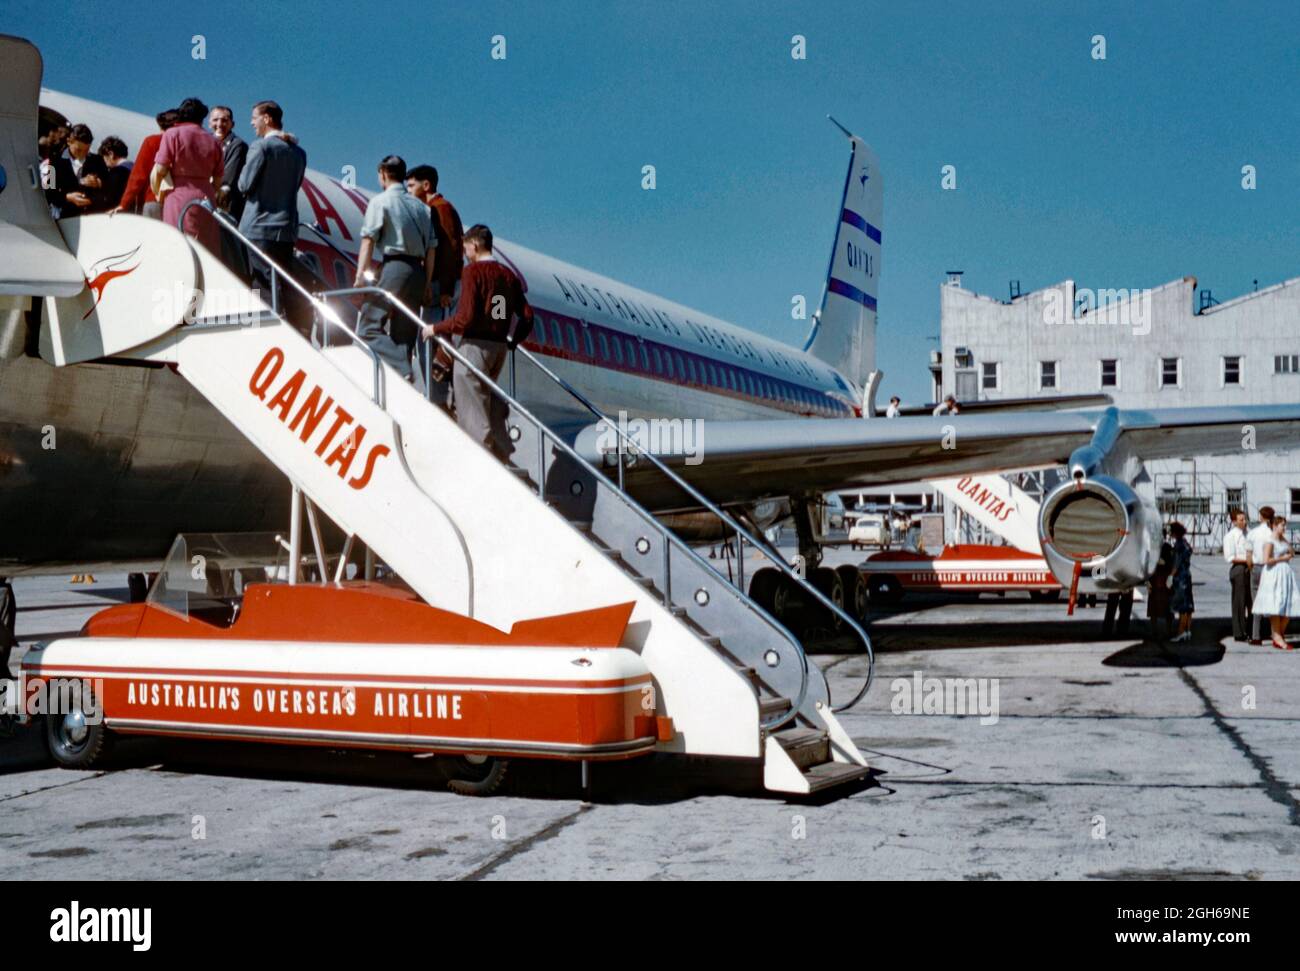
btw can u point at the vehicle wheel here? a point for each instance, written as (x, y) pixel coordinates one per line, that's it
(788, 604)
(1044, 596)
(855, 591)
(828, 583)
(885, 589)
(74, 742)
(137, 588)
(762, 589)
(474, 775)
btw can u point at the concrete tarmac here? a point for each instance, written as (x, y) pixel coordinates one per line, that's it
(1114, 759)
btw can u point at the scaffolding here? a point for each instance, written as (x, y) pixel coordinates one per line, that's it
(1200, 501)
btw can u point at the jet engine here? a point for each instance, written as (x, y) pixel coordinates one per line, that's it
(1101, 531)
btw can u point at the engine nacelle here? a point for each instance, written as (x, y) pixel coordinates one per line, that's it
(1102, 528)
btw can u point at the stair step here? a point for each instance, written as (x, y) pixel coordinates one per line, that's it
(713, 641)
(772, 706)
(834, 774)
(806, 747)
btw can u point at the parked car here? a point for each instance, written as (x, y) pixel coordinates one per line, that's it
(871, 529)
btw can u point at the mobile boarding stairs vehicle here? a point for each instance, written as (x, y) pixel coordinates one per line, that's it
(600, 635)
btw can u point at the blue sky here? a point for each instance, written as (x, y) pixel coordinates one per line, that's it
(1117, 173)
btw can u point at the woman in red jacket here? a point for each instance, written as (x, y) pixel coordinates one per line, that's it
(138, 197)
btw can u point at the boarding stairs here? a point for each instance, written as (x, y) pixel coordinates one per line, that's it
(546, 533)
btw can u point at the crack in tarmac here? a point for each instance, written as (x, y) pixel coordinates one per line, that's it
(524, 845)
(1273, 787)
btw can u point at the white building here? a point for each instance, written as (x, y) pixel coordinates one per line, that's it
(1158, 348)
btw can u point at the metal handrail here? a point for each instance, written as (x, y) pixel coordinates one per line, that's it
(324, 311)
(545, 432)
(739, 530)
(690, 490)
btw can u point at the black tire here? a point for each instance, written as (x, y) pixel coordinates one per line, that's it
(137, 588)
(885, 589)
(762, 589)
(467, 776)
(856, 597)
(828, 584)
(76, 744)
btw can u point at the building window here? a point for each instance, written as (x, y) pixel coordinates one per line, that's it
(1236, 498)
(1231, 371)
(1171, 372)
(963, 358)
(1110, 373)
(1046, 375)
(1286, 364)
(991, 378)
(1295, 504)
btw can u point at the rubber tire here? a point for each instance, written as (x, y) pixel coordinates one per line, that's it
(90, 753)
(829, 584)
(885, 589)
(856, 599)
(789, 606)
(762, 588)
(137, 588)
(484, 783)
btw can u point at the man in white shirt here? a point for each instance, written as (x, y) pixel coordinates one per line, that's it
(1257, 537)
(895, 405)
(1236, 551)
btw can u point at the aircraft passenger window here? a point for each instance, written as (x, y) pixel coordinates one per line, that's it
(590, 344)
(573, 339)
(604, 347)
(713, 375)
(557, 336)
(645, 357)
(659, 364)
(681, 365)
(690, 370)
(617, 348)
(668, 365)
(538, 336)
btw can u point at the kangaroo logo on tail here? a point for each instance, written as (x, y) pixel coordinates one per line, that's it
(106, 269)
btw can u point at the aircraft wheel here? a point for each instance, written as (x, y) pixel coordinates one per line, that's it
(74, 742)
(829, 584)
(474, 775)
(136, 587)
(788, 604)
(855, 591)
(885, 589)
(762, 589)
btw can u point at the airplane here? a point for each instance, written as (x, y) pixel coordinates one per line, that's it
(103, 463)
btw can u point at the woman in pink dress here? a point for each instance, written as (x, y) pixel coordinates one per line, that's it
(193, 159)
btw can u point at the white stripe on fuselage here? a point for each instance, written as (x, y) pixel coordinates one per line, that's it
(625, 348)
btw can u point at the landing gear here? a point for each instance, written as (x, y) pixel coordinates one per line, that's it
(474, 775)
(774, 592)
(78, 738)
(830, 586)
(856, 597)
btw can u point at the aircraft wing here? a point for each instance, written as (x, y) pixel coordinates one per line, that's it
(740, 461)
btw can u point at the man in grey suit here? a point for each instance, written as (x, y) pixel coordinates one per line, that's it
(272, 174)
(234, 150)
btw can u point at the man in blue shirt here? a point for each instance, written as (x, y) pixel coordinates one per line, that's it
(399, 231)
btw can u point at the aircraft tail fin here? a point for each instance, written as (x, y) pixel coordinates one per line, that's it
(844, 330)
